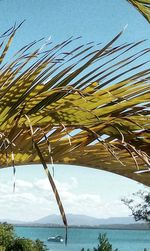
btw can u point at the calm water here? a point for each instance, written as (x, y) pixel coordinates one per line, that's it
(124, 240)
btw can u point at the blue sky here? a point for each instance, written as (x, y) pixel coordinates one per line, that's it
(83, 190)
(98, 21)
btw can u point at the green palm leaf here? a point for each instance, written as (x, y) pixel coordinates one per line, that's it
(88, 106)
(143, 6)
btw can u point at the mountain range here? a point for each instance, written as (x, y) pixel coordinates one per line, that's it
(80, 220)
(76, 220)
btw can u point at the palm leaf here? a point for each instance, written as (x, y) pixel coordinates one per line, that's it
(88, 106)
(143, 6)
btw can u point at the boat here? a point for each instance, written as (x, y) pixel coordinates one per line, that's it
(57, 238)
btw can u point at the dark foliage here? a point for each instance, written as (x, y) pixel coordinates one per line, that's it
(10, 242)
(139, 205)
(103, 245)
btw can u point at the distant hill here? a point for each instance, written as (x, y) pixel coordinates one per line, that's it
(75, 220)
(13, 222)
(80, 220)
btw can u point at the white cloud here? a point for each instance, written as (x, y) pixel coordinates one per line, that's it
(33, 200)
(23, 184)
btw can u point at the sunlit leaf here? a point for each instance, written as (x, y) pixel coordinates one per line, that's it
(87, 106)
(143, 6)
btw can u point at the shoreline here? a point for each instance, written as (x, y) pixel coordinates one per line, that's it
(110, 227)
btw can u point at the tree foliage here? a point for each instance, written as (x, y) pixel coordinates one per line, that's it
(10, 242)
(104, 244)
(7, 235)
(139, 205)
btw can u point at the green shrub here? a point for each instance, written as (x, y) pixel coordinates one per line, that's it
(10, 242)
(103, 245)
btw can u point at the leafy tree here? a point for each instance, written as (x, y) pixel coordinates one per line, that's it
(10, 242)
(103, 245)
(21, 244)
(7, 235)
(139, 205)
(39, 246)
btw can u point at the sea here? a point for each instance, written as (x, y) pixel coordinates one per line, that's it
(78, 238)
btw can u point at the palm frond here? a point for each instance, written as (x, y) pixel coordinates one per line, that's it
(143, 6)
(87, 106)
